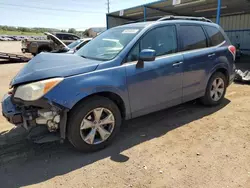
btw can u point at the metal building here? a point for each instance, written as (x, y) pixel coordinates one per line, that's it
(232, 15)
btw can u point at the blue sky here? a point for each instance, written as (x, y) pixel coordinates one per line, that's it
(79, 14)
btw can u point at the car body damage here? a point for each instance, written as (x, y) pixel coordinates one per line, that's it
(47, 109)
(78, 78)
(31, 114)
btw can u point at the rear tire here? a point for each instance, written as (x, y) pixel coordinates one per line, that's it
(83, 122)
(216, 90)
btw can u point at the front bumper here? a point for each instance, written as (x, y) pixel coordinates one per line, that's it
(30, 114)
(11, 111)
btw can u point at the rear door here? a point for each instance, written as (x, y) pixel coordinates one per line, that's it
(197, 57)
(221, 45)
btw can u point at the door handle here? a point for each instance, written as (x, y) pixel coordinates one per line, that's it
(177, 64)
(211, 55)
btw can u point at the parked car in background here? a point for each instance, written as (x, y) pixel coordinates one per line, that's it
(71, 48)
(36, 46)
(125, 72)
(74, 46)
(18, 38)
(2, 38)
(13, 37)
(6, 38)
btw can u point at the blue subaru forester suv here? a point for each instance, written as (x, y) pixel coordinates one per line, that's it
(126, 72)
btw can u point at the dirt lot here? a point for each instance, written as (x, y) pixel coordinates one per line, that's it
(186, 146)
(10, 47)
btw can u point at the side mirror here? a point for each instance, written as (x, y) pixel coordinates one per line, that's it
(147, 55)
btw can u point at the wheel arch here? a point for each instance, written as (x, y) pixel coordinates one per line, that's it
(225, 72)
(221, 69)
(117, 99)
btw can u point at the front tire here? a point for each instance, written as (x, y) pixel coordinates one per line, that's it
(93, 124)
(216, 90)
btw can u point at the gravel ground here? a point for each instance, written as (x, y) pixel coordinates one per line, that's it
(186, 146)
(10, 47)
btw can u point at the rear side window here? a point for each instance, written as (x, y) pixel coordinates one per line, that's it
(215, 35)
(193, 37)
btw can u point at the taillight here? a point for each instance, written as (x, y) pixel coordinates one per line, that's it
(10, 92)
(232, 49)
(27, 43)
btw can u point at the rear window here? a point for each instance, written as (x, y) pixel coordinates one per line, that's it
(193, 37)
(215, 35)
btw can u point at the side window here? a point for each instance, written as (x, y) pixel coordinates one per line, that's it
(193, 37)
(67, 37)
(60, 36)
(162, 40)
(215, 35)
(70, 37)
(75, 37)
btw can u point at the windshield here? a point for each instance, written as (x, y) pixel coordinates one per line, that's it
(109, 44)
(74, 44)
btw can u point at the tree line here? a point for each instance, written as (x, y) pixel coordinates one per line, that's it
(27, 29)
(41, 30)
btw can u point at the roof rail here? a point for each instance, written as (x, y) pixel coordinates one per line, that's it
(171, 17)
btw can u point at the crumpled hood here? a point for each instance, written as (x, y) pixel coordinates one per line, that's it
(49, 65)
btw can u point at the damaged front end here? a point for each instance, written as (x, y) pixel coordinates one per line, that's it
(42, 91)
(35, 109)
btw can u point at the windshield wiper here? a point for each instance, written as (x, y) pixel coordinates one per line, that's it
(83, 56)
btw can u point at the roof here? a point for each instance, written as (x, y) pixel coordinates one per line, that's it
(137, 24)
(205, 8)
(145, 24)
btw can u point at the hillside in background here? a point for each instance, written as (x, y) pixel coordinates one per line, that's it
(10, 30)
(4, 32)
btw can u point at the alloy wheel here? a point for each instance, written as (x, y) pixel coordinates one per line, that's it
(97, 126)
(217, 89)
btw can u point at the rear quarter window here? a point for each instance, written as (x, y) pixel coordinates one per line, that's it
(193, 37)
(215, 36)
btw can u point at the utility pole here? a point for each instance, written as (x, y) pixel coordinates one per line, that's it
(218, 12)
(108, 3)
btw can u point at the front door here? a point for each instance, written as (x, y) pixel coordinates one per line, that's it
(158, 84)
